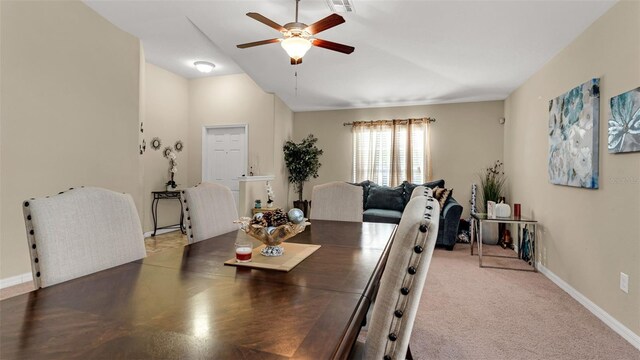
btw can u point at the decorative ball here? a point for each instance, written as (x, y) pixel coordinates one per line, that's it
(271, 229)
(296, 216)
(257, 216)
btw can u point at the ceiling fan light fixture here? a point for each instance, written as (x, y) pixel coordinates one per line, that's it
(296, 46)
(204, 66)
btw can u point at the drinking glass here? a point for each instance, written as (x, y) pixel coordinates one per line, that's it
(244, 248)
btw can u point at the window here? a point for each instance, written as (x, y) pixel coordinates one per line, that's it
(389, 152)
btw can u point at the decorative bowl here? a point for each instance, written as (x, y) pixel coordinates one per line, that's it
(272, 237)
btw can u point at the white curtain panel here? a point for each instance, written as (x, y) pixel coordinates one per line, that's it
(389, 152)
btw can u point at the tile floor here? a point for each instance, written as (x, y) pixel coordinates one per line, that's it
(153, 245)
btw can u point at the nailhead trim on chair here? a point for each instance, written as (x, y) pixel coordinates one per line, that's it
(35, 266)
(31, 238)
(412, 266)
(188, 218)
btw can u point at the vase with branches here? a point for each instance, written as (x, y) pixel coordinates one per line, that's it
(303, 161)
(492, 181)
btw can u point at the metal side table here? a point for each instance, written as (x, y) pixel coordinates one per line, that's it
(162, 195)
(523, 223)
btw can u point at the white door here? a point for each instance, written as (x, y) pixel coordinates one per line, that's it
(224, 155)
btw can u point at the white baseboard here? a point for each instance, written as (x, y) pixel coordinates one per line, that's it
(615, 325)
(16, 280)
(160, 232)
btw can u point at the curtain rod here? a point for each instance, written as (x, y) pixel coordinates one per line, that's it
(431, 120)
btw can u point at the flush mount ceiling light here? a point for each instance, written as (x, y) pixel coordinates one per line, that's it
(204, 66)
(297, 38)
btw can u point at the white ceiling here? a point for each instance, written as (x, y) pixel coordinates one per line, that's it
(406, 52)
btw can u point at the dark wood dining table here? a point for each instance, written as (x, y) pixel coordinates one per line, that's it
(184, 303)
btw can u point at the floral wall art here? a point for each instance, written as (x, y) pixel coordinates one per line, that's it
(624, 122)
(573, 136)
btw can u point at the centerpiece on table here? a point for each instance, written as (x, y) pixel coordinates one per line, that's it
(273, 228)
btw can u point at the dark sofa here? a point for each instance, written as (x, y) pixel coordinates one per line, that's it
(385, 204)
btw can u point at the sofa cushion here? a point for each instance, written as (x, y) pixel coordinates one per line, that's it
(442, 195)
(384, 197)
(382, 216)
(409, 187)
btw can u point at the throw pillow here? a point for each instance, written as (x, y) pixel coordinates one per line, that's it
(409, 187)
(442, 195)
(384, 197)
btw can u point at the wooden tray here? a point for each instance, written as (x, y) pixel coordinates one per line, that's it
(293, 255)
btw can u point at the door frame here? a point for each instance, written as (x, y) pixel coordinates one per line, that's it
(204, 143)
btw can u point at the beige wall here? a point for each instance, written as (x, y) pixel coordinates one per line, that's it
(588, 236)
(465, 138)
(236, 99)
(167, 116)
(283, 131)
(231, 100)
(69, 111)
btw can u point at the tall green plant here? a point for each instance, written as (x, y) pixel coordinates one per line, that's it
(492, 181)
(302, 161)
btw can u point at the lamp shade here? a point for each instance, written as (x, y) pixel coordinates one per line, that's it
(204, 66)
(296, 47)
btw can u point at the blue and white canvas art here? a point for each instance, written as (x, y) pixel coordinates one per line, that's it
(574, 119)
(624, 122)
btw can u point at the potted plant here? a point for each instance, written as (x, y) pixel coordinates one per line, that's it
(492, 181)
(303, 161)
(270, 195)
(173, 168)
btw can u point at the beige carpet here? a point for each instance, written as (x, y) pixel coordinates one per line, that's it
(471, 313)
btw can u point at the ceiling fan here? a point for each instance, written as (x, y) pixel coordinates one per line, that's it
(298, 37)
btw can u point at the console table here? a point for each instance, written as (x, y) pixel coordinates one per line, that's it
(162, 195)
(476, 235)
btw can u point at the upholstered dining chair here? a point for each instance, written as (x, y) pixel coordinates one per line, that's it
(210, 210)
(339, 201)
(420, 191)
(79, 232)
(402, 282)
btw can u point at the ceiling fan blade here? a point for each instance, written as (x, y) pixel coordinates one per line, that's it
(324, 24)
(256, 43)
(333, 46)
(296, 62)
(266, 21)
